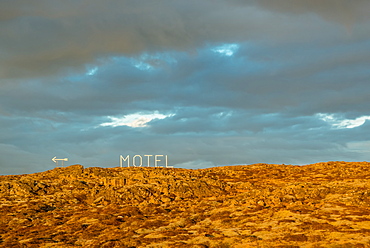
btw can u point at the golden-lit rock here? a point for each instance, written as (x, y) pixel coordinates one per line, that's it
(261, 205)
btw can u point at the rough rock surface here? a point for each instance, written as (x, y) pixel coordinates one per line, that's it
(261, 205)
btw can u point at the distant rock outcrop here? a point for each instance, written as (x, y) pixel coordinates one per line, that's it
(261, 205)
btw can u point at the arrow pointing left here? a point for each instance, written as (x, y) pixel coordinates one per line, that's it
(55, 160)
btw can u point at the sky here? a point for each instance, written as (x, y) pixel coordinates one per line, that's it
(205, 82)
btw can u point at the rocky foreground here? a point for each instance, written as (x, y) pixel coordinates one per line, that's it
(262, 205)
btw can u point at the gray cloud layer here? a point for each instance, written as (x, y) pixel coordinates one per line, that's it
(291, 60)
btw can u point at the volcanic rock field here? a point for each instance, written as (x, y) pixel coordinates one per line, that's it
(260, 205)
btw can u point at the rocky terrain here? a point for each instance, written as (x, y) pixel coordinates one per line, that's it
(261, 205)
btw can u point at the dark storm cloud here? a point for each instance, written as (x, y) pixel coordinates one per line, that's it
(50, 36)
(240, 81)
(342, 11)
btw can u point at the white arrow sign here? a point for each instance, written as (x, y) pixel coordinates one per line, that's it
(55, 160)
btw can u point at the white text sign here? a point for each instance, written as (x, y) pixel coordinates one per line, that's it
(145, 160)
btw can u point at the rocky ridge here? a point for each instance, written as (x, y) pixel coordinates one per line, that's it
(261, 205)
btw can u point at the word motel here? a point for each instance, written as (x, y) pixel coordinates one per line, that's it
(146, 160)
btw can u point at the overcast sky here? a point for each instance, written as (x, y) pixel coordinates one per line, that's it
(206, 82)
